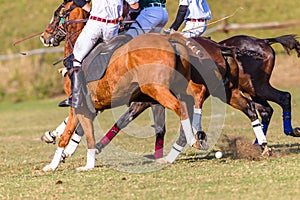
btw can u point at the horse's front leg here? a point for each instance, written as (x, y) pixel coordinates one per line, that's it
(86, 119)
(247, 106)
(199, 92)
(265, 111)
(181, 141)
(63, 142)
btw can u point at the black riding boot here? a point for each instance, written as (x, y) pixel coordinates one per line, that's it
(77, 84)
(77, 81)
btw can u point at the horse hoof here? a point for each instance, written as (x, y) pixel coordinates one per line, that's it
(162, 161)
(49, 137)
(267, 152)
(48, 168)
(296, 132)
(201, 145)
(98, 147)
(201, 135)
(158, 154)
(84, 169)
(201, 142)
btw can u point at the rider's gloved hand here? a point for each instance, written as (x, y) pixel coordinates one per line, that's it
(169, 31)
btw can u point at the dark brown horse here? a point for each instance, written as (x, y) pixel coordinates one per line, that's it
(259, 71)
(212, 50)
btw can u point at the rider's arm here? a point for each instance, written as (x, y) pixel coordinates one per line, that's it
(83, 4)
(134, 10)
(179, 17)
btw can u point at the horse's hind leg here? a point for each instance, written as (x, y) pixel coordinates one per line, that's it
(284, 100)
(160, 129)
(86, 118)
(247, 106)
(134, 110)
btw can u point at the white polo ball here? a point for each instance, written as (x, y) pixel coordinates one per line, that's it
(218, 154)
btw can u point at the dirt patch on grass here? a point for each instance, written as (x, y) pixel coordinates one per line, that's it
(241, 148)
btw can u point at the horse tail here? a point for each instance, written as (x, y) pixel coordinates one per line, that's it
(289, 42)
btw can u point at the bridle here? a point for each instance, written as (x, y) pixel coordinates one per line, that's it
(58, 28)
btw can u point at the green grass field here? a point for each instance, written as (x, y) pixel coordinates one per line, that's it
(34, 77)
(121, 171)
(191, 177)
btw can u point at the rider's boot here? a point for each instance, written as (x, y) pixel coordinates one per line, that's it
(77, 84)
(77, 81)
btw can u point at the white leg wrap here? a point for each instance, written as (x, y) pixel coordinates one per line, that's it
(187, 128)
(257, 128)
(198, 110)
(73, 144)
(90, 160)
(196, 124)
(60, 129)
(56, 159)
(174, 153)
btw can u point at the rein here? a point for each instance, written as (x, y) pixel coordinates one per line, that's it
(62, 27)
(75, 21)
(71, 22)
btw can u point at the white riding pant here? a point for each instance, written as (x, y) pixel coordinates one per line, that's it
(90, 34)
(194, 29)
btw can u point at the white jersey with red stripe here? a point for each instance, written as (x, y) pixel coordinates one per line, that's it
(109, 9)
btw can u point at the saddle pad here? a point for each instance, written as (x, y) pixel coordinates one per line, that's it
(95, 64)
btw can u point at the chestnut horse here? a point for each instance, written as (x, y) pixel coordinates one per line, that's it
(250, 68)
(254, 79)
(152, 76)
(233, 94)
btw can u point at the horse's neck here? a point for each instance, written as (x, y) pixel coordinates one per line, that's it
(74, 29)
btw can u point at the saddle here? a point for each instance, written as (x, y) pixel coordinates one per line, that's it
(95, 64)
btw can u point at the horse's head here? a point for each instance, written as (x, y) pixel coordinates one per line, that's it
(61, 22)
(54, 32)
